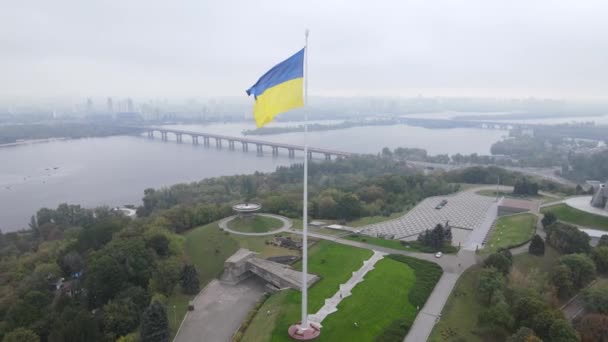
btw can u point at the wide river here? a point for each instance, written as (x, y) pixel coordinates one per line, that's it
(115, 171)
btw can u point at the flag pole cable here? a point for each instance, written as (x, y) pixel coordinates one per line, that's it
(304, 325)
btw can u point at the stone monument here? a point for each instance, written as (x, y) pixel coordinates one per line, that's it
(600, 199)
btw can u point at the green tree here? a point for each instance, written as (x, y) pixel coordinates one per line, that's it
(22, 314)
(105, 277)
(562, 331)
(160, 244)
(561, 278)
(348, 207)
(582, 268)
(75, 325)
(527, 305)
(603, 241)
(542, 321)
(593, 328)
(248, 188)
(165, 276)
(600, 258)
(21, 335)
(138, 295)
(524, 334)
(498, 261)
(189, 279)
(537, 245)
(595, 299)
(567, 239)
(497, 317)
(548, 219)
(119, 318)
(491, 281)
(71, 263)
(154, 324)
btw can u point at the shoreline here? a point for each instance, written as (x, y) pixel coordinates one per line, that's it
(32, 141)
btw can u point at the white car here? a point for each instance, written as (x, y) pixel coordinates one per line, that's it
(438, 255)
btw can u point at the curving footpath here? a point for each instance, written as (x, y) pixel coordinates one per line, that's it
(287, 224)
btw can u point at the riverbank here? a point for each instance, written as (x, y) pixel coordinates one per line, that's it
(32, 141)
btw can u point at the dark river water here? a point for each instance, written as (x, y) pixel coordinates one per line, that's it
(115, 171)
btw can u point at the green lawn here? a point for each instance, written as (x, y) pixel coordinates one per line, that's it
(256, 224)
(208, 247)
(459, 315)
(527, 263)
(410, 246)
(374, 304)
(510, 231)
(334, 263)
(566, 213)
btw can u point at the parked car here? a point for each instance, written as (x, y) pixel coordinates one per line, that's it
(441, 204)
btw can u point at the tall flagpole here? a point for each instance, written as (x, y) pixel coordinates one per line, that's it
(304, 324)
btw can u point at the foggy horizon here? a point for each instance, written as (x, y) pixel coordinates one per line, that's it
(142, 49)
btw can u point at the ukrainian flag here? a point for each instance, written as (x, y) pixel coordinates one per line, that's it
(279, 90)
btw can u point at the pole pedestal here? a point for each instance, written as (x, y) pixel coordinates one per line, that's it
(297, 333)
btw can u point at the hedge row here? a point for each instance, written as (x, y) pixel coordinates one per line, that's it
(427, 275)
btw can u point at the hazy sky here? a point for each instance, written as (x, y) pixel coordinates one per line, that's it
(515, 48)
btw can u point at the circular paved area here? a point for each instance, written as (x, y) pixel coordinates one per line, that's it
(285, 227)
(584, 203)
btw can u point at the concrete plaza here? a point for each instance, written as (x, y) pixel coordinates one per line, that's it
(465, 210)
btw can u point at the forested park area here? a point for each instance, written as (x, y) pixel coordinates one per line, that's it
(93, 274)
(13, 133)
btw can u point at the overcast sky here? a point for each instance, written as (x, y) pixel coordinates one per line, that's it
(144, 48)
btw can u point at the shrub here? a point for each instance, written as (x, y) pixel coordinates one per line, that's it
(537, 246)
(548, 219)
(427, 275)
(394, 332)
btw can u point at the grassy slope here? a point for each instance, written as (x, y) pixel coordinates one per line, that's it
(340, 262)
(414, 246)
(374, 304)
(257, 224)
(511, 230)
(575, 216)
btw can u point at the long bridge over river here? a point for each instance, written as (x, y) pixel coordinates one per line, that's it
(220, 140)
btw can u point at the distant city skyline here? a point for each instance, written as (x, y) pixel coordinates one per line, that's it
(147, 49)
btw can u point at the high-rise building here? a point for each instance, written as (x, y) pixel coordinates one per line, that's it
(110, 105)
(130, 105)
(89, 106)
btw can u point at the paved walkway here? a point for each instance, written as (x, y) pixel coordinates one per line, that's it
(430, 313)
(331, 304)
(478, 235)
(287, 224)
(219, 310)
